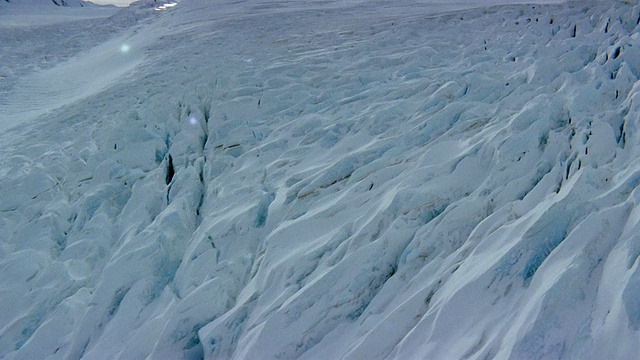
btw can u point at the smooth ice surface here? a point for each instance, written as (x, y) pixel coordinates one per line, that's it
(321, 180)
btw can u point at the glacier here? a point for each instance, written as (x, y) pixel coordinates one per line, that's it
(358, 179)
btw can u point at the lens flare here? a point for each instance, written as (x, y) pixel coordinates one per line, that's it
(193, 120)
(124, 48)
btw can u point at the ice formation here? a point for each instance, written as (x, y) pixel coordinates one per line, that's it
(322, 180)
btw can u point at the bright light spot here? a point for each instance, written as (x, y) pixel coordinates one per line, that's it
(124, 48)
(165, 6)
(193, 120)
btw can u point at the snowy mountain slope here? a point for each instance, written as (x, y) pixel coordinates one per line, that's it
(43, 3)
(37, 42)
(331, 180)
(36, 13)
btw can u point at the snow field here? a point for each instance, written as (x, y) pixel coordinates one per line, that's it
(332, 181)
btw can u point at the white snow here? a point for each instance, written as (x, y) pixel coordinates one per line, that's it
(320, 180)
(71, 81)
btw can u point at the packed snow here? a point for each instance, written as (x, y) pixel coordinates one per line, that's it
(320, 180)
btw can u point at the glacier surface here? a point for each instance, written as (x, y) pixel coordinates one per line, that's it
(321, 180)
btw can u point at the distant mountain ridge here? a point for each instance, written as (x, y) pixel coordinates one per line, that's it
(48, 3)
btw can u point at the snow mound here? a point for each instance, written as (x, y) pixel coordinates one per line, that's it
(332, 180)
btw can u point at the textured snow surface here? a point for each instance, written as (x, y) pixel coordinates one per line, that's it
(322, 180)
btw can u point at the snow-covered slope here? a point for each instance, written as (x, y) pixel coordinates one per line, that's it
(321, 180)
(35, 13)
